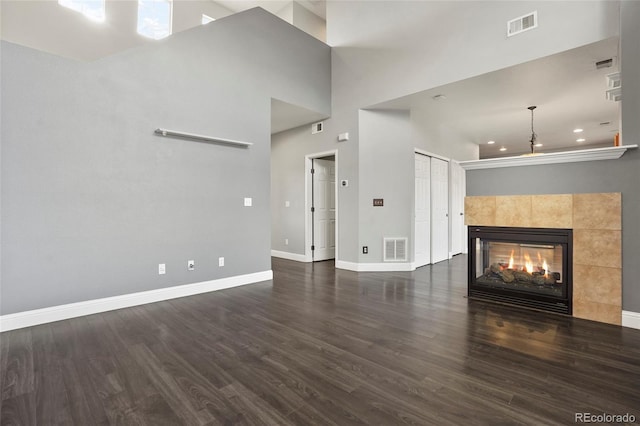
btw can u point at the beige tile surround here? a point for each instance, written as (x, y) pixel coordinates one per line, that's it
(596, 220)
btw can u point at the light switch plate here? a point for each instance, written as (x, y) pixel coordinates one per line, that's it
(248, 202)
(162, 269)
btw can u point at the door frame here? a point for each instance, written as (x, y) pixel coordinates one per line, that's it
(308, 221)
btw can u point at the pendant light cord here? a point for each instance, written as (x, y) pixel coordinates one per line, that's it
(533, 133)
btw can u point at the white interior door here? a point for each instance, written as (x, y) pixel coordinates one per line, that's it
(422, 228)
(439, 210)
(458, 190)
(324, 209)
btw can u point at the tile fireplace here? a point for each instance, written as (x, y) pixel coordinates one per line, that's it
(595, 264)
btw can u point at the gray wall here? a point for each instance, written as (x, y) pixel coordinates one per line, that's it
(386, 171)
(287, 184)
(93, 201)
(435, 49)
(289, 149)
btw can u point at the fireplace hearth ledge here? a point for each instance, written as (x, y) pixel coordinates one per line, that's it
(607, 153)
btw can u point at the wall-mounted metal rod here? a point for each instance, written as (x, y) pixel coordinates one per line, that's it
(183, 135)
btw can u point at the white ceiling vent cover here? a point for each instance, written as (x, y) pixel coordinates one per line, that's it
(395, 249)
(523, 23)
(317, 127)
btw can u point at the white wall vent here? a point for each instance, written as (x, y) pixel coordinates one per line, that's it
(395, 249)
(614, 87)
(317, 127)
(523, 23)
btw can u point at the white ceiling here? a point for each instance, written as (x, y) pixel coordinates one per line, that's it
(567, 89)
(286, 116)
(317, 7)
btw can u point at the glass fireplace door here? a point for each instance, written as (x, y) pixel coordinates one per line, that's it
(526, 266)
(532, 268)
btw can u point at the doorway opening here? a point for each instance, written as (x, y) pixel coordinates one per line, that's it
(321, 217)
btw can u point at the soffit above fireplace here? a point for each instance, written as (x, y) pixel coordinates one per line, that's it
(607, 153)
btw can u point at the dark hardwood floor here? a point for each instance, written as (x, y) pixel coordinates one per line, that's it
(321, 346)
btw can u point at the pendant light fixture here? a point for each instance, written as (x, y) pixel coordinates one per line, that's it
(533, 133)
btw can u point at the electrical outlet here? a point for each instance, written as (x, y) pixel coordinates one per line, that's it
(365, 249)
(221, 261)
(286, 241)
(248, 202)
(191, 265)
(162, 269)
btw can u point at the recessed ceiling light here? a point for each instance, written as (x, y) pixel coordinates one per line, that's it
(580, 140)
(538, 145)
(491, 142)
(503, 149)
(577, 130)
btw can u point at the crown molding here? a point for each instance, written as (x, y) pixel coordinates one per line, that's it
(594, 154)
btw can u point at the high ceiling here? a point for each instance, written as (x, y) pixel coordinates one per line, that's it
(567, 89)
(318, 7)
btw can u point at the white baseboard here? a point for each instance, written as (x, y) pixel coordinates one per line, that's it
(631, 319)
(375, 267)
(89, 307)
(290, 256)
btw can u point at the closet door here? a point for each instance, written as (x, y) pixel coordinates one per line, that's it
(422, 225)
(439, 210)
(458, 190)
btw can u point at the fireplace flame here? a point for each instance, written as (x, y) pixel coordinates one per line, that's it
(526, 264)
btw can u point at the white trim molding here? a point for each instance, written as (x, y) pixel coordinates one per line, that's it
(375, 267)
(607, 153)
(631, 319)
(431, 154)
(290, 256)
(89, 307)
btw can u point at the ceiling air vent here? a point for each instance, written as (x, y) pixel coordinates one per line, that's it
(522, 24)
(395, 249)
(607, 63)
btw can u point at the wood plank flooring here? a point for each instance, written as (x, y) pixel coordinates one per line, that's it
(321, 346)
